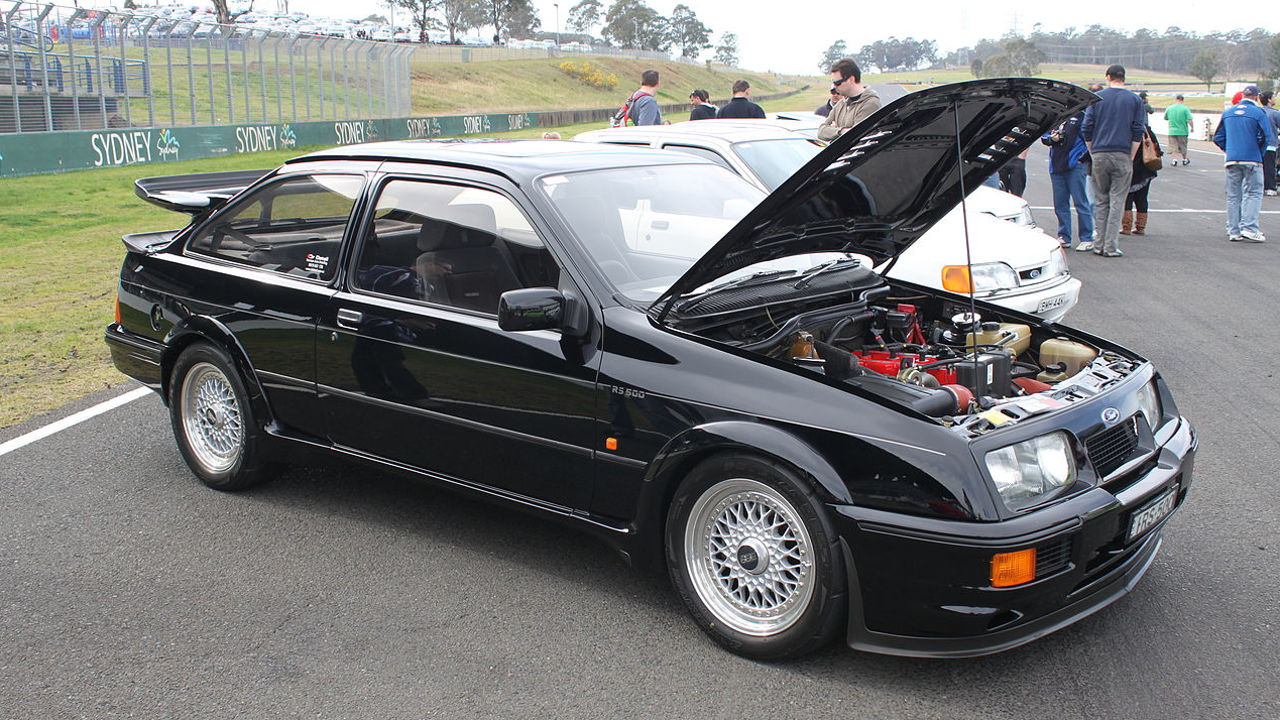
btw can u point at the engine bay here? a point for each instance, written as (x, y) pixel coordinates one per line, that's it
(935, 355)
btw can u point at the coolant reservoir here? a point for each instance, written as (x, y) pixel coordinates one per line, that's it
(993, 333)
(1069, 352)
(1049, 376)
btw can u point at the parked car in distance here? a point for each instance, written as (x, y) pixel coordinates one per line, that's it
(1014, 264)
(637, 343)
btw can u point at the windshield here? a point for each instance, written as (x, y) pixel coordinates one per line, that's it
(644, 226)
(773, 161)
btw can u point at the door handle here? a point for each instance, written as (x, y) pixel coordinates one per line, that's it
(659, 224)
(349, 319)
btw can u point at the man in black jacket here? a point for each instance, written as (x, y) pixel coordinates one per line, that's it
(740, 106)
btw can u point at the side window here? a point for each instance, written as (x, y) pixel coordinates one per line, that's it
(452, 245)
(704, 153)
(294, 226)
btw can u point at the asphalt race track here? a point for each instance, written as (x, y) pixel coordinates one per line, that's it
(130, 590)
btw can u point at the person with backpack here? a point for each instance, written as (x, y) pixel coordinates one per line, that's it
(642, 107)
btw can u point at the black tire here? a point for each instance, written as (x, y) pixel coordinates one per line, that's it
(767, 578)
(213, 420)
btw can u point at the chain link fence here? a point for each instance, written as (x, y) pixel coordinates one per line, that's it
(79, 69)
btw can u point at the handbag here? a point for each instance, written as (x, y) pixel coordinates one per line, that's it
(1151, 153)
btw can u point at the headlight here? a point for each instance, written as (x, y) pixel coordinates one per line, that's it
(985, 278)
(1057, 264)
(1024, 216)
(1032, 471)
(1149, 404)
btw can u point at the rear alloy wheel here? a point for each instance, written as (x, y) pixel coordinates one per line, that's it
(213, 421)
(754, 558)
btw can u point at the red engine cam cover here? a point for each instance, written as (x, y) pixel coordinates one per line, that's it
(889, 363)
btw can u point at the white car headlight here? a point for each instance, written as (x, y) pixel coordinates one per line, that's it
(1032, 471)
(1057, 264)
(1149, 404)
(990, 277)
(1025, 217)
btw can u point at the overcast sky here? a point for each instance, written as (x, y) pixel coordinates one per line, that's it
(790, 36)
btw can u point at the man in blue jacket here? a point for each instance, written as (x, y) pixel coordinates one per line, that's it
(1068, 162)
(1112, 131)
(1243, 134)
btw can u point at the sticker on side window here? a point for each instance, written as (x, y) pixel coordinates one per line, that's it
(317, 263)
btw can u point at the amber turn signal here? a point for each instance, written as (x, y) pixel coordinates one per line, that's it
(611, 443)
(955, 278)
(117, 309)
(1014, 568)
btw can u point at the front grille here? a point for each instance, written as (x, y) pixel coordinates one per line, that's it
(1110, 448)
(1052, 556)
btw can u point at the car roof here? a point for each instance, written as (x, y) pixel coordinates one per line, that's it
(516, 159)
(731, 131)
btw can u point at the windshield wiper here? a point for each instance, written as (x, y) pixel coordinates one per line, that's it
(751, 279)
(815, 271)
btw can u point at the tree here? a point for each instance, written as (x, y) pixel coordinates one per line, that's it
(727, 50)
(585, 15)
(380, 19)
(631, 23)
(1205, 66)
(1273, 57)
(459, 16)
(223, 12)
(420, 14)
(833, 54)
(975, 67)
(1024, 57)
(688, 33)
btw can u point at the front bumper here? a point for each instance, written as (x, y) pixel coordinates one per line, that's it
(1050, 303)
(920, 587)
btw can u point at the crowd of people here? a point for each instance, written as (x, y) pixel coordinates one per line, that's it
(1102, 161)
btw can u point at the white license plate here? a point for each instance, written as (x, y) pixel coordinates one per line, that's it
(1154, 511)
(1050, 303)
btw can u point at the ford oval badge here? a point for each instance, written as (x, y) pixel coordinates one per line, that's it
(1110, 416)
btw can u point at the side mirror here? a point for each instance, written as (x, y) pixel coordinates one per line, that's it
(530, 309)
(542, 309)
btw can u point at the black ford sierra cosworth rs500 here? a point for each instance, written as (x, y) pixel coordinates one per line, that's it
(643, 345)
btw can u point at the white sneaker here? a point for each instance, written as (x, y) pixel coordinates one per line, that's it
(1252, 236)
(1271, 193)
(1084, 247)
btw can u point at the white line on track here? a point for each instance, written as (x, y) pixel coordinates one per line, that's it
(1175, 210)
(70, 420)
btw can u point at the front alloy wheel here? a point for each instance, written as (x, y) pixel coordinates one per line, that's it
(755, 559)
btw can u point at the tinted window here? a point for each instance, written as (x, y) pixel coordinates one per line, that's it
(451, 245)
(294, 226)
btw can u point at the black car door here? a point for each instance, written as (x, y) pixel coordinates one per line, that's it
(413, 368)
(262, 268)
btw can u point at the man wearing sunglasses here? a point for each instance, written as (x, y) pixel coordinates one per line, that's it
(858, 104)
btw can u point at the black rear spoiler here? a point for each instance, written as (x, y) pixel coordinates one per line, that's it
(196, 193)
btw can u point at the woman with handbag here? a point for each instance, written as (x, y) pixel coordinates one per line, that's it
(1145, 164)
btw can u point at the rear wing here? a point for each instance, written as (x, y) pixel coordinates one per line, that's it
(195, 193)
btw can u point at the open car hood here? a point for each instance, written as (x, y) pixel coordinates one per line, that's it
(879, 187)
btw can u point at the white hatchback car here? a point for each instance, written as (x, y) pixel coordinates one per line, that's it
(1013, 263)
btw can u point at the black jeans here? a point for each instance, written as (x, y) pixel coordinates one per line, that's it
(1014, 176)
(1269, 170)
(1138, 198)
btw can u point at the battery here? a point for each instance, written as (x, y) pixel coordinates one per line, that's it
(988, 374)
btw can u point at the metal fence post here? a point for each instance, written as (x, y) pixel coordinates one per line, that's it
(122, 35)
(75, 71)
(245, 39)
(13, 68)
(226, 31)
(333, 82)
(44, 66)
(346, 75)
(147, 87)
(97, 66)
(293, 80)
(320, 65)
(262, 72)
(275, 50)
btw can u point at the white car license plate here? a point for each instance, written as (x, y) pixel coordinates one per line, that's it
(1050, 303)
(1155, 511)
